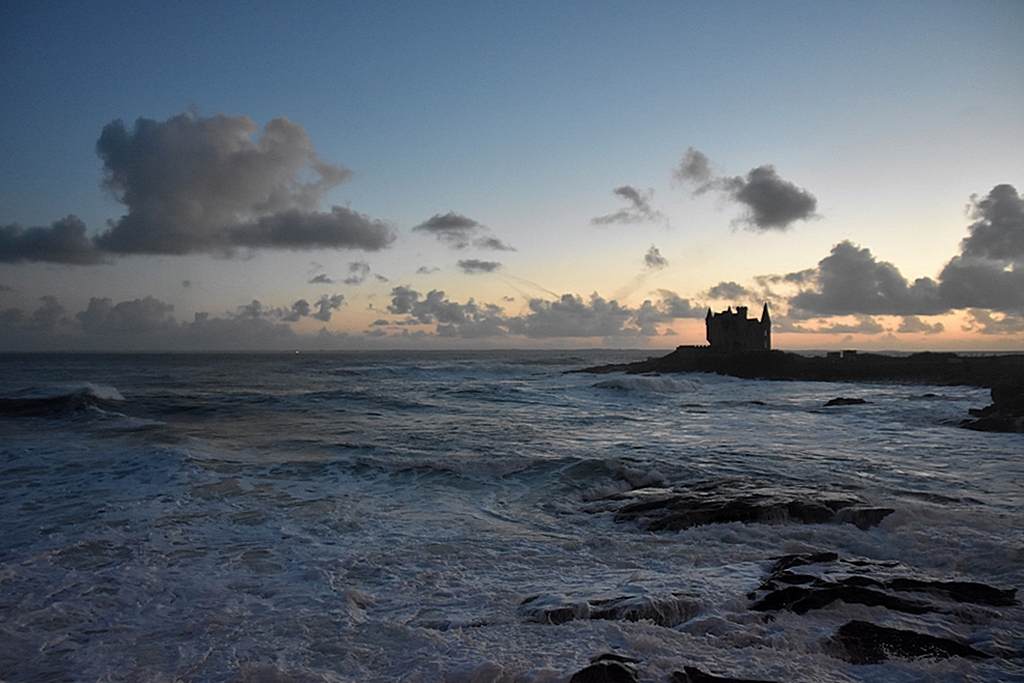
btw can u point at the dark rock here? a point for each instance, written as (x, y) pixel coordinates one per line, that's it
(863, 517)
(691, 674)
(800, 599)
(865, 583)
(668, 610)
(843, 401)
(606, 671)
(923, 368)
(864, 643)
(959, 591)
(736, 500)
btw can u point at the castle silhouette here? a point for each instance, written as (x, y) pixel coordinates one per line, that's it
(729, 332)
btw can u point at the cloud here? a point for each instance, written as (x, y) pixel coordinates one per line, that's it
(912, 324)
(694, 168)
(427, 270)
(63, 242)
(321, 279)
(864, 324)
(453, 228)
(570, 316)
(677, 307)
(360, 271)
(968, 282)
(772, 203)
(195, 184)
(453, 319)
(851, 280)
(492, 243)
(729, 290)
(459, 232)
(998, 233)
(472, 266)
(989, 271)
(654, 260)
(986, 323)
(127, 318)
(639, 210)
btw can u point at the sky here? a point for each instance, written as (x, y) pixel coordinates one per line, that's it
(351, 175)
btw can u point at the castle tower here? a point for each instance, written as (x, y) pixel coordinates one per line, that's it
(729, 332)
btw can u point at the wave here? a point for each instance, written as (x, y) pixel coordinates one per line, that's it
(59, 400)
(650, 384)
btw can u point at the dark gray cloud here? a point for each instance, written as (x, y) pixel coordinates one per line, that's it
(127, 318)
(638, 211)
(989, 271)
(63, 242)
(864, 324)
(492, 243)
(327, 305)
(321, 279)
(911, 324)
(695, 168)
(427, 270)
(459, 232)
(772, 203)
(654, 260)
(453, 319)
(194, 184)
(998, 232)
(851, 280)
(968, 282)
(986, 323)
(570, 316)
(147, 324)
(473, 266)
(677, 307)
(731, 291)
(359, 270)
(453, 228)
(201, 184)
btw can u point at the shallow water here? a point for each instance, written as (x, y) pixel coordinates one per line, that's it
(382, 517)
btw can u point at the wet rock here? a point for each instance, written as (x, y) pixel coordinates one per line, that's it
(862, 642)
(734, 500)
(843, 401)
(863, 517)
(691, 674)
(801, 599)
(874, 584)
(1004, 414)
(607, 668)
(668, 610)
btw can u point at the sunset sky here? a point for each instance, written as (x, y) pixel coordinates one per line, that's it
(335, 175)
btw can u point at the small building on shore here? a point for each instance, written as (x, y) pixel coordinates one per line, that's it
(729, 332)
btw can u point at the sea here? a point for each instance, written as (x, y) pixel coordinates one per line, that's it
(407, 516)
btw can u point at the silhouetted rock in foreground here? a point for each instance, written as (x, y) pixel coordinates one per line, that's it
(731, 500)
(1006, 412)
(607, 669)
(691, 674)
(864, 643)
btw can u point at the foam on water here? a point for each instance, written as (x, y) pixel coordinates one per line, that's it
(384, 519)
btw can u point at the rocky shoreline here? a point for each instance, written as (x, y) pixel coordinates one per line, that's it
(1003, 374)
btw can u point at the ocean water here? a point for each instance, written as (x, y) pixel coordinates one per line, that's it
(384, 517)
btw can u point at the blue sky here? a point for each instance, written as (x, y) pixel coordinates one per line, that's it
(558, 132)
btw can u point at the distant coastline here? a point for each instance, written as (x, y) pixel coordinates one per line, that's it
(938, 368)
